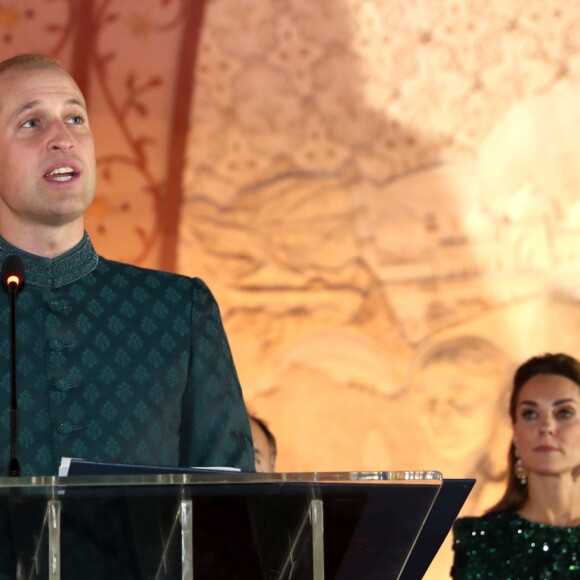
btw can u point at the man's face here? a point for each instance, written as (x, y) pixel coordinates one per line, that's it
(262, 451)
(47, 157)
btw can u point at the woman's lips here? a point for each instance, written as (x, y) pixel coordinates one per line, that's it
(545, 448)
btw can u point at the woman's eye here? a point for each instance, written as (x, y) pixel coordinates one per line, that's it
(529, 414)
(565, 413)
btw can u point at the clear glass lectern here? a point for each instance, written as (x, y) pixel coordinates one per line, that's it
(230, 526)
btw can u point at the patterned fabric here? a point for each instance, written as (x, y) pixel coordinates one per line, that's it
(118, 363)
(507, 547)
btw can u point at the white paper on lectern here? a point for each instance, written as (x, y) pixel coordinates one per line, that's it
(85, 467)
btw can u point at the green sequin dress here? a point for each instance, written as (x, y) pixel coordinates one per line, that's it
(506, 546)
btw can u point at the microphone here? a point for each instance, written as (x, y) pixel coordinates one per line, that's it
(12, 275)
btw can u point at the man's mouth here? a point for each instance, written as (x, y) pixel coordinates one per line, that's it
(61, 174)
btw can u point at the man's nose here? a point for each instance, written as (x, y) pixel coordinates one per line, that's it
(59, 138)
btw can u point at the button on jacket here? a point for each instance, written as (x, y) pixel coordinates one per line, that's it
(120, 364)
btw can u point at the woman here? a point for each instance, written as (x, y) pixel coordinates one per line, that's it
(534, 530)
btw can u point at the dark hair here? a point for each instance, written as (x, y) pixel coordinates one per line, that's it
(560, 364)
(269, 436)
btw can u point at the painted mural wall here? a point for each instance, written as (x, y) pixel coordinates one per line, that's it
(383, 197)
(380, 192)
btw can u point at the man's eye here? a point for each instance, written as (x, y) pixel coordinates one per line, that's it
(76, 120)
(31, 123)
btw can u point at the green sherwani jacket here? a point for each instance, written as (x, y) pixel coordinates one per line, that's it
(120, 364)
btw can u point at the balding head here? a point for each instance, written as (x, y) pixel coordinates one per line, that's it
(29, 60)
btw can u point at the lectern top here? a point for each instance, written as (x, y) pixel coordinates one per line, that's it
(197, 477)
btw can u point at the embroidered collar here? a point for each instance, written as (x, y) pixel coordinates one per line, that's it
(55, 272)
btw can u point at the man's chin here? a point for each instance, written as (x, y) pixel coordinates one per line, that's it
(67, 213)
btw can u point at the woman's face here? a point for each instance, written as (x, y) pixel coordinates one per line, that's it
(547, 425)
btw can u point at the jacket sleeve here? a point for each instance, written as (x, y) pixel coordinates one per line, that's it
(215, 429)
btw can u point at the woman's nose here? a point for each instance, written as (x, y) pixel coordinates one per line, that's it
(547, 425)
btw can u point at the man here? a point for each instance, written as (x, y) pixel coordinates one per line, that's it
(264, 446)
(115, 363)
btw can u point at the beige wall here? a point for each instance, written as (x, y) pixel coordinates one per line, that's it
(384, 197)
(367, 180)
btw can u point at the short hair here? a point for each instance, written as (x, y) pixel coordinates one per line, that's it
(269, 436)
(31, 60)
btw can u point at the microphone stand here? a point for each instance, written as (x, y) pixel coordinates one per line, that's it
(14, 464)
(12, 274)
